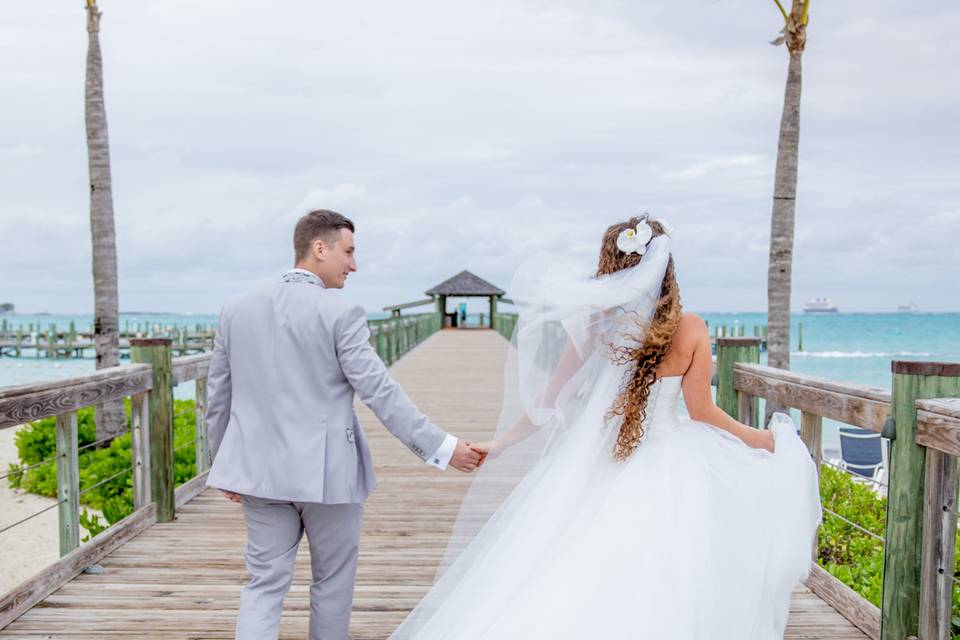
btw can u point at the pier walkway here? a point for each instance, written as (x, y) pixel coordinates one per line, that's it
(182, 579)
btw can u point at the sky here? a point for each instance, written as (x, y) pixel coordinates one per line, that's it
(468, 134)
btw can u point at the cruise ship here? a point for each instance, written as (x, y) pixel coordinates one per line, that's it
(820, 305)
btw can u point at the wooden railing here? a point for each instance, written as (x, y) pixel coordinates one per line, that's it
(149, 385)
(505, 323)
(921, 524)
(393, 337)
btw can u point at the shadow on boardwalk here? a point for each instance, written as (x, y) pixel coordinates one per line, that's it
(182, 579)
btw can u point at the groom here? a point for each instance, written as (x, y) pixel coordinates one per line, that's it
(286, 444)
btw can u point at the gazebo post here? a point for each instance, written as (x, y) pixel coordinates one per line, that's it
(493, 309)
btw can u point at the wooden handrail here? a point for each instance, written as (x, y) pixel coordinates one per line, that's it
(938, 425)
(29, 402)
(191, 367)
(848, 402)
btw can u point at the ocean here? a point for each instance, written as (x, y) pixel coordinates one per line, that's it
(853, 347)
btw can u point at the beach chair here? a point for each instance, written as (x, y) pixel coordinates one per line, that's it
(863, 453)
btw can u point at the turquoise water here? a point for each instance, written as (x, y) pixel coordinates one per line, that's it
(856, 347)
(853, 347)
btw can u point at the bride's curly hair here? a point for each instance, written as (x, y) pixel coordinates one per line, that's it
(645, 356)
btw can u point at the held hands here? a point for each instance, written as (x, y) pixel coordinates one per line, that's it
(232, 497)
(488, 449)
(466, 457)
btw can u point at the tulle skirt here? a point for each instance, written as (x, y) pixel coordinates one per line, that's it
(695, 536)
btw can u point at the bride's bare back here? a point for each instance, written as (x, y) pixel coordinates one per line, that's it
(690, 356)
(690, 333)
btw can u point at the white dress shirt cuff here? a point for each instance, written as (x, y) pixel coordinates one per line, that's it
(441, 458)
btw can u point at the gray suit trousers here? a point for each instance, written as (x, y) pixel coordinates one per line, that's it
(274, 530)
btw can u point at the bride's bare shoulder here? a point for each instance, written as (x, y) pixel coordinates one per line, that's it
(691, 329)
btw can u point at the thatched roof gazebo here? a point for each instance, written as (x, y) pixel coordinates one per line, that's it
(462, 285)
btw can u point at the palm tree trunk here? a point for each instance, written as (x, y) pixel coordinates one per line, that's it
(780, 267)
(110, 416)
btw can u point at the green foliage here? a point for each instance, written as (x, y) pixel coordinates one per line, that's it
(851, 556)
(106, 479)
(848, 554)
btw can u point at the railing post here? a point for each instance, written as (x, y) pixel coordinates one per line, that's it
(938, 548)
(156, 352)
(811, 432)
(729, 351)
(68, 482)
(201, 410)
(140, 448)
(902, 558)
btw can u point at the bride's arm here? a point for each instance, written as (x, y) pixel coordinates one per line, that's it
(699, 400)
(568, 364)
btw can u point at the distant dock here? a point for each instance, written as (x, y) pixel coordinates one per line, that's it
(32, 341)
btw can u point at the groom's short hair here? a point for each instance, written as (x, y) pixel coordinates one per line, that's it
(320, 223)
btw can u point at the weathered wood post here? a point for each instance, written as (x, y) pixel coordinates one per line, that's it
(140, 448)
(729, 351)
(68, 482)
(202, 447)
(391, 341)
(902, 557)
(940, 420)
(381, 350)
(156, 352)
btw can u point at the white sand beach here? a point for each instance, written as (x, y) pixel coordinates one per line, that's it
(28, 547)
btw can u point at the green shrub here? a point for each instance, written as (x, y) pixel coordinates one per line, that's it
(848, 554)
(114, 497)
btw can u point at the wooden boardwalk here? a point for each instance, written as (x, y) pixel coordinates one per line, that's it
(182, 579)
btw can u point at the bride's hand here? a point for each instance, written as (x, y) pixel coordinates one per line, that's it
(488, 448)
(765, 440)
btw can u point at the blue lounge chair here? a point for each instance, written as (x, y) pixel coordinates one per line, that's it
(862, 452)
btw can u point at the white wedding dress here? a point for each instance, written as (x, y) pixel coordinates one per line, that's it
(695, 536)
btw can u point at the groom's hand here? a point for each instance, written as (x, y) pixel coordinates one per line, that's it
(231, 496)
(464, 457)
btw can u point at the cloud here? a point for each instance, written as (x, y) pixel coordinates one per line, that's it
(466, 134)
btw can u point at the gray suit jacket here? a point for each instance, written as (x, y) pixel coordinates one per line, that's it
(286, 363)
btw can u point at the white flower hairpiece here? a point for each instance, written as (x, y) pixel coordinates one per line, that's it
(633, 240)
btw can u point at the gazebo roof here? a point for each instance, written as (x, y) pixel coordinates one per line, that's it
(465, 284)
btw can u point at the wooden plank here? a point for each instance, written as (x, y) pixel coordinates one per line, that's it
(140, 448)
(938, 547)
(862, 613)
(68, 482)
(188, 368)
(746, 409)
(943, 406)
(938, 425)
(811, 432)
(855, 404)
(200, 411)
(25, 403)
(190, 489)
(19, 600)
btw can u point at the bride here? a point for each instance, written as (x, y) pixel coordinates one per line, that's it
(602, 511)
